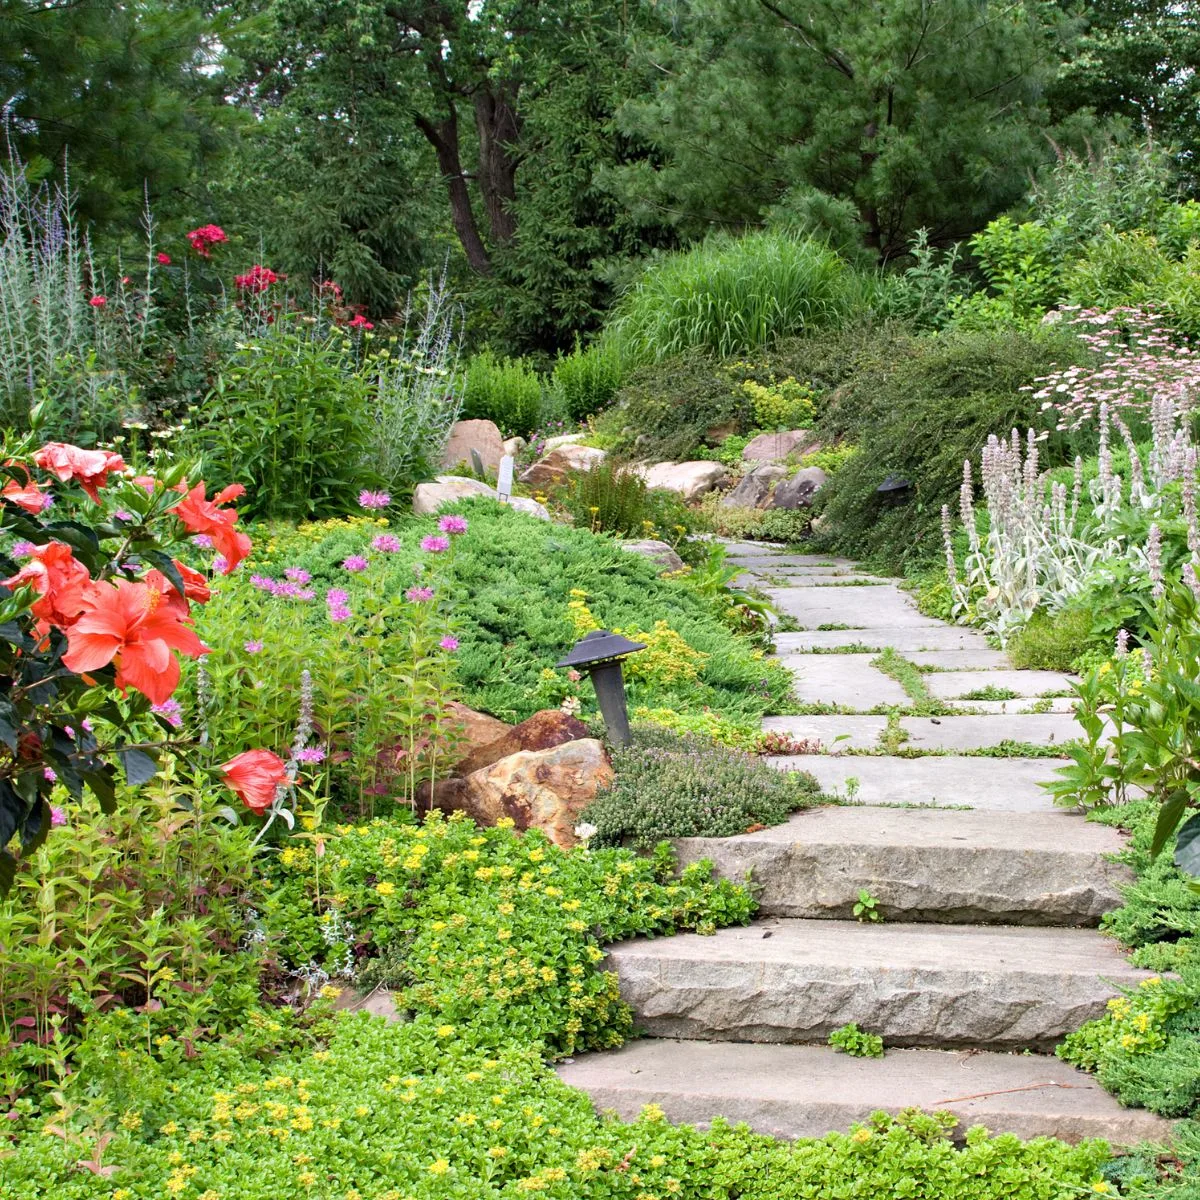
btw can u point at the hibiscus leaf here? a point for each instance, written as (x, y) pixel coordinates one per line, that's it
(166, 564)
(1187, 846)
(35, 828)
(8, 871)
(77, 536)
(139, 766)
(1169, 817)
(103, 788)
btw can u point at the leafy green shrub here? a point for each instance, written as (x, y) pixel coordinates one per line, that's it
(830, 459)
(917, 408)
(393, 1111)
(610, 498)
(733, 295)
(781, 405)
(760, 524)
(852, 1040)
(585, 381)
(671, 785)
(1048, 643)
(504, 390)
(728, 452)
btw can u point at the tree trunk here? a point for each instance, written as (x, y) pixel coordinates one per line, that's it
(443, 137)
(499, 126)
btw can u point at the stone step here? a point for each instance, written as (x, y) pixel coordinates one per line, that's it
(845, 679)
(926, 865)
(937, 986)
(1056, 704)
(907, 640)
(959, 685)
(885, 606)
(995, 784)
(809, 1091)
(930, 733)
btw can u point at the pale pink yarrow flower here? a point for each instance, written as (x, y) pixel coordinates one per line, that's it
(253, 647)
(417, 594)
(387, 542)
(58, 816)
(449, 643)
(434, 544)
(374, 499)
(356, 562)
(453, 524)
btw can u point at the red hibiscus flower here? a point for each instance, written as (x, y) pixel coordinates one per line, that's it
(27, 495)
(60, 581)
(89, 468)
(206, 516)
(255, 775)
(135, 626)
(195, 585)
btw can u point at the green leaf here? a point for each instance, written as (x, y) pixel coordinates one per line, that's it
(103, 788)
(1169, 817)
(1187, 846)
(166, 564)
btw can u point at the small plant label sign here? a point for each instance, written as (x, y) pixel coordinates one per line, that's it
(504, 481)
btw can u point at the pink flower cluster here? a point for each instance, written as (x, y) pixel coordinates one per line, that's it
(291, 588)
(337, 602)
(257, 279)
(433, 544)
(171, 711)
(359, 322)
(387, 543)
(202, 240)
(373, 499)
(355, 563)
(418, 595)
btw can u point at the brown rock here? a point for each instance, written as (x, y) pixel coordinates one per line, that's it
(774, 447)
(655, 550)
(755, 487)
(472, 730)
(798, 492)
(689, 479)
(561, 462)
(537, 789)
(544, 729)
(466, 436)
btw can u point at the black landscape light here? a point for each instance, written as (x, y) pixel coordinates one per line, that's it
(894, 489)
(600, 655)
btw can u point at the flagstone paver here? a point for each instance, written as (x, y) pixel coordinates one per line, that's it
(953, 685)
(846, 679)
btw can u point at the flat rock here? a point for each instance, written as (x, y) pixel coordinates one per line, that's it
(483, 437)
(447, 489)
(957, 685)
(1055, 704)
(691, 480)
(910, 641)
(563, 439)
(555, 467)
(809, 1091)
(656, 551)
(845, 679)
(832, 734)
(550, 727)
(775, 447)
(529, 506)
(926, 865)
(843, 579)
(884, 607)
(936, 986)
(971, 658)
(1007, 785)
(978, 733)
(514, 445)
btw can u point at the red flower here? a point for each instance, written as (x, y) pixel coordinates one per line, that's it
(257, 279)
(126, 279)
(255, 775)
(205, 516)
(195, 585)
(27, 495)
(136, 626)
(205, 238)
(360, 322)
(89, 468)
(60, 580)
(163, 259)
(98, 301)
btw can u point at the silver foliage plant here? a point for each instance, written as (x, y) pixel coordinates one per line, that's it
(1042, 546)
(418, 390)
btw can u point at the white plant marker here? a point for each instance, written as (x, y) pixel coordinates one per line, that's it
(504, 480)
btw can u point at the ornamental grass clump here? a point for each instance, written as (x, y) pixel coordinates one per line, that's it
(669, 785)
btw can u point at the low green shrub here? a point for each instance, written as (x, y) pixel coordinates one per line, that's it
(781, 404)
(671, 785)
(729, 452)
(758, 524)
(1048, 643)
(507, 391)
(610, 498)
(585, 381)
(854, 1041)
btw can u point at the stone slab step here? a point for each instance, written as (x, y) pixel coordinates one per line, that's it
(809, 1091)
(930, 733)
(995, 784)
(958, 685)
(936, 986)
(906, 640)
(883, 607)
(845, 679)
(922, 864)
(1057, 704)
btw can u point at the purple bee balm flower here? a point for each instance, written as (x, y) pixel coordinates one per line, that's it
(47, 501)
(449, 643)
(311, 754)
(418, 594)
(48, 772)
(22, 549)
(253, 647)
(356, 562)
(374, 499)
(339, 613)
(220, 563)
(387, 542)
(203, 541)
(336, 597)
(170, 711)
(297, 574)
(453, 524)
(58, 816)
(435, 544)
(122, 515)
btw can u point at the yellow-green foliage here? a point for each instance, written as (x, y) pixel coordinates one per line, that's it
(781, 405)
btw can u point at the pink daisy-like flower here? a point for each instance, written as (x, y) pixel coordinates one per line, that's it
(297, 574)
(386, 542)
(311, 754)
(418, 594)
(356, 562)
(453, 524)
(374, 499)
(253, 647)
(434, 544)
(449, 643)
(58, 816)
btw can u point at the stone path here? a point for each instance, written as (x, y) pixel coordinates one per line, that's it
(988, 953)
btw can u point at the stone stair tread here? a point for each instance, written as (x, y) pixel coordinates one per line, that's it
(809, 1091)
(796, 980)
(957, 732)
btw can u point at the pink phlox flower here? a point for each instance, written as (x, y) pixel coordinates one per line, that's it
(356, 562)
(419, 594)
(434, 544)
(453, 524)
(220, 563)
(297, 574)
(388, 543)
(22, 549)
(203, 541)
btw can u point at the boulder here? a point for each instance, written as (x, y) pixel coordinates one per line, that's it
(465, 436)
(774, 447)
(528, 506)
(472, 729)
(537, 789)
(689, 479)
(660, 552)
(797, 492)
(562, 439)
(554, 467)
(550, 727)
(755, 487)
(514, 445)
(446, 489)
